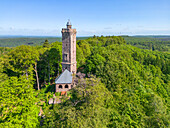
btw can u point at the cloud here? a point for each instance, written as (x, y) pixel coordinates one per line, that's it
(26, 31)
(118, 24)
(140, 26)
(126, 29)
(11, 28)
(151, 31)
(108, 28)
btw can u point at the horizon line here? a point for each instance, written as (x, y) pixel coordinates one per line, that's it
(85, 35)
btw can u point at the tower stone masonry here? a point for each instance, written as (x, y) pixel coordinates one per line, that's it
(69, 48)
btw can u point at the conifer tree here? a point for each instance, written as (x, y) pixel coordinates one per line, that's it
(46, 44)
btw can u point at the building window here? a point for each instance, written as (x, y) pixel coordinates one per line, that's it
(65, 57)
(71, 86)
(60, 86)
(66, 86)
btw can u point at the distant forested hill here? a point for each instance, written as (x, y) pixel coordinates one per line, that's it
(6, 41)
(160, 43)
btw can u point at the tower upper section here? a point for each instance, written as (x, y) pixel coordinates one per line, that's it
(69, 48)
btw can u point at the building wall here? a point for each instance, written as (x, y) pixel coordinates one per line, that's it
(69, 49)
(63, 87)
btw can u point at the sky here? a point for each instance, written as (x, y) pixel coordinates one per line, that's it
(89, 17)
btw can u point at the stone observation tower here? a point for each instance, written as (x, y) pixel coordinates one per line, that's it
(64, 82)
(69, 48)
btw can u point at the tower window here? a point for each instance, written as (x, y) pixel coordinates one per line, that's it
(65, 57)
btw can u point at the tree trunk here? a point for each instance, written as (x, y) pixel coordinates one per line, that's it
(26, 73)
(58, 66)
(38, 85)
(45, 76)
(49, 71)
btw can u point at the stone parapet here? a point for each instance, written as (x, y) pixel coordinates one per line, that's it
(68, 30)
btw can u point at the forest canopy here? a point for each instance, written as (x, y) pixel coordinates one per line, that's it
(120, 85)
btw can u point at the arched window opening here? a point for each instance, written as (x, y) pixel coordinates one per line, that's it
(66, 86)
(60, 86)
(65, 57)
(71, 86)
